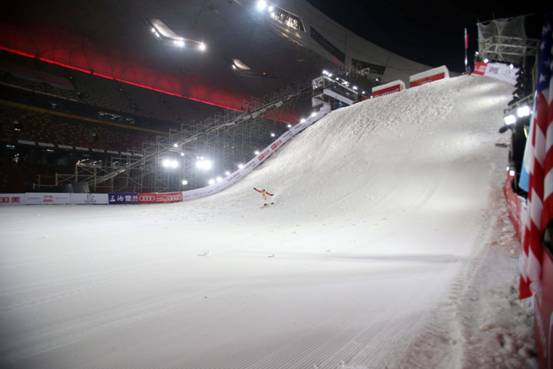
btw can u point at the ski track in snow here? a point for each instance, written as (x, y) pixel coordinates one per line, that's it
(380, 210)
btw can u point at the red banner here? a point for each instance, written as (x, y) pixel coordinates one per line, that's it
(159, 197)
(479, 68)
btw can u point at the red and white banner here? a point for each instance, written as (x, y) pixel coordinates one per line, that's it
(388, 88)
(479, 68)
(12, 199)
(159, 197)
(428, 76)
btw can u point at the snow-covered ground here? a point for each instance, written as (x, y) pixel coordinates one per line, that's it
(383, 215)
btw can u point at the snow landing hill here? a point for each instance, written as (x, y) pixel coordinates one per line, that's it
(378, 209)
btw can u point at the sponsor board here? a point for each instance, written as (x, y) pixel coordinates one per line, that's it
(12, 199)
(159, 198)
(388, 88)
(502, 72)
(116, 198)
(89, 199)
(37, 198)
(428, 76)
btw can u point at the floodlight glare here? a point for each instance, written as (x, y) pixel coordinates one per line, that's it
(169, 163)
(179, 43)
(204, 164)
(240, 166)
(302, 120)
(261, 5)
(523, 111)
(289, 126)
(175, 145)
(510, 119)
(511, 173)
(227, 173)
(202, 46)
(271, 8)
(313, 114)
(184, 182)
(273, 134)
(219, 179)
(181, 154)
(486, 60)
(211, 182)
(256, 152)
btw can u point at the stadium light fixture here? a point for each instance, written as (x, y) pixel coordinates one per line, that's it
(523, 111)
(261, 5)
(510, 119)
(204, 164)
(169, 163)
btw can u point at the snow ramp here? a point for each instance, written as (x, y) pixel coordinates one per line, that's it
(378, 208)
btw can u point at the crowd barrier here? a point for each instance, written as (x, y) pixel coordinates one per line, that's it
(388, 88)
(428, 76)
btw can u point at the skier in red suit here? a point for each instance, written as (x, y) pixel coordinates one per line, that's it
(266, 196)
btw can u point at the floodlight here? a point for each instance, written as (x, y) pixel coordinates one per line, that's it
(169, 163)
(486, 60)
(179, 43)
(511, 173)
(302, 120)
(240, 166)
(204, 164)
(289, 126)
(202, 46)
(256, 152)
(510, 119)
(523, 111)
(261, 5)
(219, 179)
(313, 114)
(184, 182)
(227, 173)
(175, 145)
(211, 182)
(273, 134)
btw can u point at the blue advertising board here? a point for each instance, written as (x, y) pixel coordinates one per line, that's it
(123, 198)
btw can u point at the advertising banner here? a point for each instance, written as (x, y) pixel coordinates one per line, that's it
(12, 199)
(159, 198)
(37, 198)
(116, 198)
(89, 199)
(388, 88)
(502, 72)
(428, 76)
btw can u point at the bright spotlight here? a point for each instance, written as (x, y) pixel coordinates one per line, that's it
(179, 43)
(511, 66)
(184, 182)
(510, 119)
(153, 30)
(511, 173)
(256, 152)
(314, 114)
(181, 154)
(289, 126)
(169, 163)
(227, 173)
(204, 164)
(302, 120)
(355, 88)
(202, 46)
(523, 111)
(273, 134)
(211, 182)
(486, 60)
(261, 5)
(240, 166)
(271, 8)
(175, 145)
(219, 179)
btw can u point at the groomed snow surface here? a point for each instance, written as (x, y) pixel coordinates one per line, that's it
(387, 247)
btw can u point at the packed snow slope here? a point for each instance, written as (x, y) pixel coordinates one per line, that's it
(378, 208)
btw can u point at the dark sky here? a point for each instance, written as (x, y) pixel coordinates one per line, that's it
(431, 34)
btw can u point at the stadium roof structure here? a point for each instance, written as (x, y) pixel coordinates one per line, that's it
(251, 48)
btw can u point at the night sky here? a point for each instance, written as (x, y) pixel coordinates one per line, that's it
(429, 34)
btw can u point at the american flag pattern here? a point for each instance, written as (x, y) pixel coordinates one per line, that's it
(540, 165)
